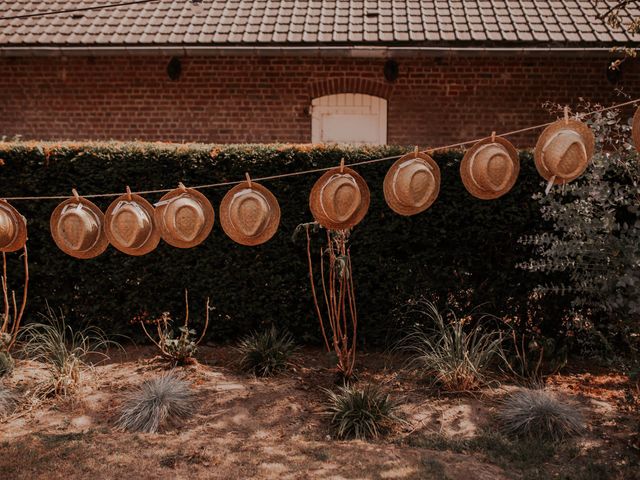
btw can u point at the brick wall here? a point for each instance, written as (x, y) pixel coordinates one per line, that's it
(266, 99)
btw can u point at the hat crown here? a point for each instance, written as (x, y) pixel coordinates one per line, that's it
(185, 217)
(492, 167)
(340, 197)
(249, 212)
(78, 227)
(413, 183)
(565, 154)
(130, 224)
(8, 228)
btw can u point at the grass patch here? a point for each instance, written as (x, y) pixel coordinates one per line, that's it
(433, 469)
(503, 451)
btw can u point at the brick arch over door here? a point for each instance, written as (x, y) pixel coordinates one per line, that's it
(332, 86)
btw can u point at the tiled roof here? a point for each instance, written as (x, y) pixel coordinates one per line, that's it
(558, 23)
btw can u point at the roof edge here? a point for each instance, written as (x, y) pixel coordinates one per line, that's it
(357, 51)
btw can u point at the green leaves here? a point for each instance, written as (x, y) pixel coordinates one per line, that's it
(593, 233)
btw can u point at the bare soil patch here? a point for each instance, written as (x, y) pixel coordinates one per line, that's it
(273, 428)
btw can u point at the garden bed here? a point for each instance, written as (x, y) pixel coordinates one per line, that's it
(247, 427)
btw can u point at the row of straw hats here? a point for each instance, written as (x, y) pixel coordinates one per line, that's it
(184, 217)
(250, 214)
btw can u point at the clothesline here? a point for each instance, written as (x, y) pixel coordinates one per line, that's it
(318, 170)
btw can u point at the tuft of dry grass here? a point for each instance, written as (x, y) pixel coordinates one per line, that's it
(8, 401)
(449, 353)
(63, 350)
(539, 414)
(157, 403)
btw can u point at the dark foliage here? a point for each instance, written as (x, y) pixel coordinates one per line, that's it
(462, 250)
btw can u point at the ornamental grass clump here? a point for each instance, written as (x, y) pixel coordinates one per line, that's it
(266, 353)
(538, 414)
(158, 403)
(360, 412)
(64, 351)
(449, 353)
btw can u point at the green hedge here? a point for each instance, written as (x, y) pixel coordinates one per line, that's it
(462, 250)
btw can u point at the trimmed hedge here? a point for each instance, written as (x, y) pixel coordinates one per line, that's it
(462, 250)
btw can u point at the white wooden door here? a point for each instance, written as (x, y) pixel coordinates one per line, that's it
(352, 118)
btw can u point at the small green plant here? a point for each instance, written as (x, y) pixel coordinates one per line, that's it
(178, 348)
(266, 353)
(64, 351)
(157, 403)
(360, 412)
(539, 414)
(447, 353)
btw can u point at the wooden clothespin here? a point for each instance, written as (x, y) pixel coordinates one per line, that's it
(128, 193)
(246, 174)
(75, 194)
(493, 137)
(342, 165)
(182, 187)
(566, 114)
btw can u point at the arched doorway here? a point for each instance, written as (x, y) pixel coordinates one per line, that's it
(352, 118)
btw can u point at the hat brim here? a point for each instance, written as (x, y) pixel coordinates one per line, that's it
(465, 169)
(359, 213)
(154, 238)
(21, 235)
(97, 248)
(387, 186)
(635, 129)
(581, 129)
(167, 234)
(236, 235)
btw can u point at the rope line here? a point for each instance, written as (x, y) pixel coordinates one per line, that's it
(323, 169)
(75, 10)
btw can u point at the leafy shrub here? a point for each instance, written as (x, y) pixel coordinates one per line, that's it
(360, 412)
(448, 353)
(157, 403)
(266, 353)
(64, 351)
(447, 250)
(8, 401)
(539, 414)
(592, 237)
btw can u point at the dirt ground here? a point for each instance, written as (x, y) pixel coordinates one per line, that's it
(274, 428)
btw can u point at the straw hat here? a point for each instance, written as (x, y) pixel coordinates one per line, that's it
(249, 213)
(563, 150)
(184, 217)
(77, 228)
(636, 129)
(490, 168)
(412, 183)
(129, 225)
(339, 199)
(13, 228)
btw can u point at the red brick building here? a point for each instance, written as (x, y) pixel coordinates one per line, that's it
(402, 72)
